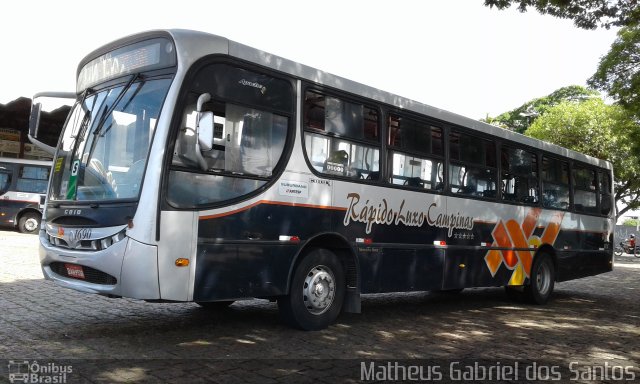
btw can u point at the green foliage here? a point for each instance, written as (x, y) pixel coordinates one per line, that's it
(618, 73)
(631, 223)
(587, 14)
(519, 119)
(604, 131)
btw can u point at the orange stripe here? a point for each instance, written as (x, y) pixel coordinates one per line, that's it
(529, 223)
(207, 217)
(553, 229)
(520, 241)
(550, 234)
(501, 236)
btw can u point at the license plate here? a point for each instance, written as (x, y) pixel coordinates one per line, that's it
(74, 271)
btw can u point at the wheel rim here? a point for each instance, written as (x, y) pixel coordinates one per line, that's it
(319, 289)
(543, 279)
(31, 224)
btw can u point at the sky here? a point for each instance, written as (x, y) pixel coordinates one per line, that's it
(456, 55)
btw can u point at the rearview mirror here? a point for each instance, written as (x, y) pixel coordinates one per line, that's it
(34, 119)
(45, 101)
(205, 131)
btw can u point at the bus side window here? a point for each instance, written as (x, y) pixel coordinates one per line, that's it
(417, 153)
(519, 176)
(33, 179)
(555, 183)
(341, 137)
(584, 190)
(472, 171)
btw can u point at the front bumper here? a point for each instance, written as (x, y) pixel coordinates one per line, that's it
(127, 268)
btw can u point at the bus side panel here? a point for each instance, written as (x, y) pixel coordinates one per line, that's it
(465, 268)
(400, 270)
(240, 255)
(8, 212)
(235, 271)
(12, 203)
(576, 264)
(580, 247)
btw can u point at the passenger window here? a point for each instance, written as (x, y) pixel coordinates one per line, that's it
(470, 149)
(555, 183)
(519, 176)
(412, 171)
(341, 137)
(33, 179)
(584, 190)
(472, 170)
(417, 153)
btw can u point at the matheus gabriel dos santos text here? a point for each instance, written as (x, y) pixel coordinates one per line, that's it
(466, 372)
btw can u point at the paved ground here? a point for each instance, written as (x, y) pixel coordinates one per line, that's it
(590, 332)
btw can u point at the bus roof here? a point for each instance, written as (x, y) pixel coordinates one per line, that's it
(200, 44)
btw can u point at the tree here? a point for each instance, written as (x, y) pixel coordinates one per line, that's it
(604, 131)
(586, 14)
(519, 119)
(618, 73)
(631, 223)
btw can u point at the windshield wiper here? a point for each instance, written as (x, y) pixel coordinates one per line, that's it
(112, 107)
(107, 112)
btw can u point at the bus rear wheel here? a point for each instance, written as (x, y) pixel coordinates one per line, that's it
(542, 281)
(29, 222)
(316, 293)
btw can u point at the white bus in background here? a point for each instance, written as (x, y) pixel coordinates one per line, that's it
(194, 168)
(23, 186)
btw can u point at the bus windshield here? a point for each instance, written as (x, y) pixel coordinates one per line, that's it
(104, 146)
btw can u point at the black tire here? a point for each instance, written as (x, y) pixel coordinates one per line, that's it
(542, 280)
(213, 305)
(29, 222)
(316, 293)
(617, 251)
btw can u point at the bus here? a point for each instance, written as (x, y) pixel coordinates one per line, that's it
(193, 168)
(23, 187)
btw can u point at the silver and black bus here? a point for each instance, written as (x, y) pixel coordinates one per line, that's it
(23, 186)
(194, 168)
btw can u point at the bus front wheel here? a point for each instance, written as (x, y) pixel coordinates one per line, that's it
(542, 280)
(29, 222)
(316, 293)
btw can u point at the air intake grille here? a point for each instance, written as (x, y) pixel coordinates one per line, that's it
(91, 275)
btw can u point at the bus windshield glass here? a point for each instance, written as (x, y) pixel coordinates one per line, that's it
(104, 146)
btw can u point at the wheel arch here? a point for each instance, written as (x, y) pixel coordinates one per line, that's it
(339, 245)
(25, 211)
